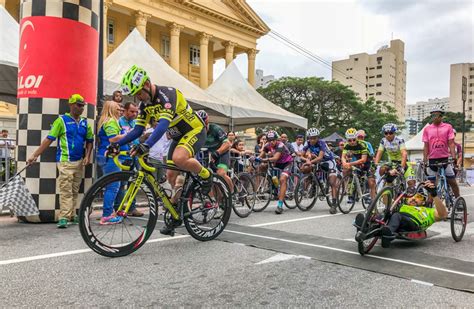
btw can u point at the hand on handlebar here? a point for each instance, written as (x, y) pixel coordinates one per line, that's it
(112, 150)
(140, 149)
(431, 188)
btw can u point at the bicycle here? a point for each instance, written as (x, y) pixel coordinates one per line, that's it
(313, 186)
(245, 194)
(354, 185)
(204, 216)
(268, 186)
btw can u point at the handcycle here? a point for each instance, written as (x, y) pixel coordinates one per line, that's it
(313, 186)
(204, 216)
(378, 215)
(268, 186)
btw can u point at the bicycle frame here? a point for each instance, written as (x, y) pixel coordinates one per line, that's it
(443, 184)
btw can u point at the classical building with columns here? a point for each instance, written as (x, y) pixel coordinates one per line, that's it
(189, 34)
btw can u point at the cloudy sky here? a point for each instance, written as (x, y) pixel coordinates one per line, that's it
(436, 33)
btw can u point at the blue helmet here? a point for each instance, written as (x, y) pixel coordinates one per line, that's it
(389, 127)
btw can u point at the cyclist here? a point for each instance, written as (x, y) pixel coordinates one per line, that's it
(396, 151)
(280, 155)
(438, 139)
(361, 137)
(175, 117)
(357, 149)
(317, 151)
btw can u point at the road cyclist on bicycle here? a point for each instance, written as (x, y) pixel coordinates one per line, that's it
(395, 149)
(316, 151)
(356, 154)
(275, 151)
(175, 117)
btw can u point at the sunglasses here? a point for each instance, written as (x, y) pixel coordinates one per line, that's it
(351, 140)
(388, 133)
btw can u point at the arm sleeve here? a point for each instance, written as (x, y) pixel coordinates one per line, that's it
(56, 130)
(158, 132)
(132, 135)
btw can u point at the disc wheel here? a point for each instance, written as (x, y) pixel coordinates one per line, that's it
(243, 200)
(122, 238)
(264, 192)
(306, 192)
(458, 219)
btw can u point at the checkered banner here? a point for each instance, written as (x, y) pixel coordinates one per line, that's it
(15, 195)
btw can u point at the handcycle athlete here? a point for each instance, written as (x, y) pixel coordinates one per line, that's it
(359, 151)
(175, 117)
(317, 151)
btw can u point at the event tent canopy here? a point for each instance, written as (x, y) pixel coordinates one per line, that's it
(333, 138)
(10, 40)
(416, 143)
(136, 50)
(248, 107)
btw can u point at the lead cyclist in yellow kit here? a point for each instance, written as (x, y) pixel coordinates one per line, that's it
(175, 117)
(396, 152)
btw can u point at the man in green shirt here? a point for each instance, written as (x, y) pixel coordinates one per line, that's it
(75, 138)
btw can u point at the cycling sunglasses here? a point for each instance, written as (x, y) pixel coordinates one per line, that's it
(350, 140)
(388, 133)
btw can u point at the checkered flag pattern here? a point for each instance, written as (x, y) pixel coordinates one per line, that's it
(15, 195)
(36, 115)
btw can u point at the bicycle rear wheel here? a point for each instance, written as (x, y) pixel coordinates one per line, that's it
(346, 194)
(244, 196)
(264, 192)
(291, 185)
(122, 238)
(206, 216)
(458, 219)
(306, 192)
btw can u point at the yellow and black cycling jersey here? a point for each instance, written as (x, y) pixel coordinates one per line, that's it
(170, 104)
(356, 151)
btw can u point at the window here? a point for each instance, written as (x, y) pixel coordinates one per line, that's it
(371, 85)
(371, 76)
(379, 85)
(356, 59)
(379, 58)
(471, 76)
(165, 46)
(194, 54)
(379, 67)
(379, 93)
(379, 75)
(471, 69)
(470, 100)
(110, 31)
(371, 68)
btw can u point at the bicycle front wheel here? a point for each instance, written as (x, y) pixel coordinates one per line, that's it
(458, 219)
(306, 192)
(264, 193)
(123, 237)
(346, 194)
(244, 196)
(291, 185)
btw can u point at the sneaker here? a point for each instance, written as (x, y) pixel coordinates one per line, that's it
(169, 230)
(359, 220)
(387, 236)
(206, 185)
(333, 209)
(110, 220)
(62, 223)
(334, 202)
(279, 210)
(74, 221)
(135, 213)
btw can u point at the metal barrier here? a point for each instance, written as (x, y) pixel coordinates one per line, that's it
(7, 159)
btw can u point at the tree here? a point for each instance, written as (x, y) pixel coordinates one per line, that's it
(328, 105)
(455, 119)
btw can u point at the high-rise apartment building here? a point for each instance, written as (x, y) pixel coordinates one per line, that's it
(381, 75)
(262, 80)
(420, 110)
(455, 88)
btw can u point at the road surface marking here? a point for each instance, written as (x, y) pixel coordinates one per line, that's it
(355, 253)
(282, 257)
(422, 282)
(72, 252)
(300, 219)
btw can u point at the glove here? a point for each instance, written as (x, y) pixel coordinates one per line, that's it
(113, 149)
(258, 159)
(140, 149)
(431, 190)
(215, 155)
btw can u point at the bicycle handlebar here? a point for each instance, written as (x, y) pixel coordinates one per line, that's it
(141, 161)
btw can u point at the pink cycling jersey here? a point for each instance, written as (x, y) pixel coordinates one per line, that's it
(437, 137)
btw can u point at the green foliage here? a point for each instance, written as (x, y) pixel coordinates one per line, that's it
(455, 119)
(329, 106)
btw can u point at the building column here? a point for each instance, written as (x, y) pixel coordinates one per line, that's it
(175, 30)
(107, 5)
(251, 55)
(3, 2)
(229, 52)
(203, 59)
(141, 20)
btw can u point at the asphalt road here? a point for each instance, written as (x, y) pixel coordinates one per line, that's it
(295, 259)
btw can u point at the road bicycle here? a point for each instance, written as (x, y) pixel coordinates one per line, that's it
(353, 187)
(245, 195)
(205, 215)
(313, 186)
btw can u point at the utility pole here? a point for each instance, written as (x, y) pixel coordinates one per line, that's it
(464, 95)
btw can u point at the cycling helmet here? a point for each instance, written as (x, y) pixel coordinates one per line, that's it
(438, 109)
(389, 127)
(312, 132)
(272, 135)
(351, 133)
(133, 80)
(203, 115)
(361, 133)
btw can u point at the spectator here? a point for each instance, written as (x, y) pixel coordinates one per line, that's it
(128, 120)
(117, 96)
(338, 150)
(284, 140)
(6, 146)
(109, 132)
(261, 141)
(158, 153)
(298, 145)
(74, 136)
(231, 137)
(238, 151)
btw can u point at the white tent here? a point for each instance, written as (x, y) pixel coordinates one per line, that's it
(10, 40)
(249, 108)
(136, 50)
(415, 146)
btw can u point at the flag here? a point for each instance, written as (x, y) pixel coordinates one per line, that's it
(15, 195)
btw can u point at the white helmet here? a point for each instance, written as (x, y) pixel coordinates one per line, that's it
(312, 132)
(438, 109)
(351, 133)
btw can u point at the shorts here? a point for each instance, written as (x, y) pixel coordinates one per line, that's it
(329, 166)
(433, 171)
(284, 167)
(191, 141)
(368, 170)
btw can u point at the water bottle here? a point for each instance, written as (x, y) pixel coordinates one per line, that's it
(275, 181)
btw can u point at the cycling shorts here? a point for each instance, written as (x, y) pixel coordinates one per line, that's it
(329, 166)
(191, 141)
(433, 171)
(284, 167)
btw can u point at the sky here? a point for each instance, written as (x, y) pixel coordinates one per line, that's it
(437, 33)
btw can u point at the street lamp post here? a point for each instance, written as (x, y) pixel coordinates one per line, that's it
(464, 95)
